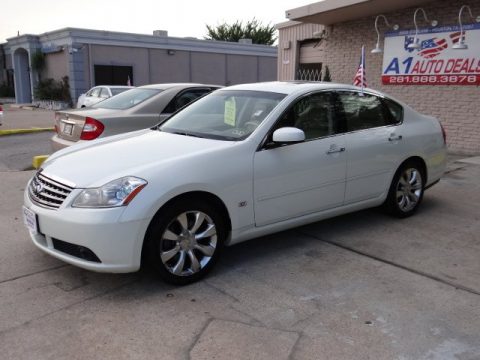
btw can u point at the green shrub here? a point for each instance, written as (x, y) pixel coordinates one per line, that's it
(6, 91)
(50, 89)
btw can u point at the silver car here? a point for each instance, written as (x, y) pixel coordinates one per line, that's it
(135, 109)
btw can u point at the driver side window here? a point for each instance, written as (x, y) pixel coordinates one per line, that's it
(314, 114)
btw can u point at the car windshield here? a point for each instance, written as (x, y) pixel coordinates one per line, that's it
(225, 115)
(127, 99)
(116, 91)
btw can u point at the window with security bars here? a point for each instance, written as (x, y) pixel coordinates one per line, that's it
(309, 72)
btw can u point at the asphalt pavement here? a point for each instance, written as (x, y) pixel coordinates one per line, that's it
(18, 150)
(360, 286)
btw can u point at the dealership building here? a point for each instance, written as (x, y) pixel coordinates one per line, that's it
(434, 69)
(93, 57)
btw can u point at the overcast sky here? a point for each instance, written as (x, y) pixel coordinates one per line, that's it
(179, 17)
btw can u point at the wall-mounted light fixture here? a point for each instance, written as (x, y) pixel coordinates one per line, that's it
(461, 45)
(170, 52)
(395, 27)
(415, 44)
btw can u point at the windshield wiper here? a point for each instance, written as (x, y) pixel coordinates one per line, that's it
(184, 133)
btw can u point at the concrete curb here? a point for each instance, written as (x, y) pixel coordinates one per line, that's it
(38, 160)
(24, 131)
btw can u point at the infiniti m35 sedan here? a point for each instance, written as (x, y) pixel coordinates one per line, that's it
(241, 162)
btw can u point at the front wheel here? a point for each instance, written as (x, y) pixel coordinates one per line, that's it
(406, 190)
(184, 240)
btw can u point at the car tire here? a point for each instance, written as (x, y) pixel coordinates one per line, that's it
(406, 191)
(184, 240)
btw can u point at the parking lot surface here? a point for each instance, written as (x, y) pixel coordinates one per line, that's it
(360, 286)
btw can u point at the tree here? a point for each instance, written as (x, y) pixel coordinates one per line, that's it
(38, 63)
(253, 29)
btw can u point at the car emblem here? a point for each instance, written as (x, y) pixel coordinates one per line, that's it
(38, 188)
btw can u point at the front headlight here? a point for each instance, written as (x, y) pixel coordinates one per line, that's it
(115, 193)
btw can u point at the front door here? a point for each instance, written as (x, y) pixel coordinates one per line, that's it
(303, 178)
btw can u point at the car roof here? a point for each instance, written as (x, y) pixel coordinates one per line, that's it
(119, 86)
(290, 87)
(113, 86)
(174, 85)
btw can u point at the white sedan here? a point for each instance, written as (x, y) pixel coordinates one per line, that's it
(241, 162)
(100, 93)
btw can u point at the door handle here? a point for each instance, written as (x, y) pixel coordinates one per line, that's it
(392, 138)
(333, 150)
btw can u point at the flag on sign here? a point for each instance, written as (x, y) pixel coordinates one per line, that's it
(129, 83)
(360, 77)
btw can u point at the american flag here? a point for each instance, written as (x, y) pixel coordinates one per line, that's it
(360, 78)
(432, 47)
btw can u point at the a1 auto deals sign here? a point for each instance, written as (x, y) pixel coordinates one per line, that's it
(435, 62)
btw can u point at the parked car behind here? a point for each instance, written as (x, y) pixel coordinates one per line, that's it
(135, 109)
(100, 93)
(241, 162)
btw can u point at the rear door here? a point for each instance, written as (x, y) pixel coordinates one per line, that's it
(375, 145)
(92, 96)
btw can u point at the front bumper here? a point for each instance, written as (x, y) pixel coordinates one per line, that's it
(117, 244)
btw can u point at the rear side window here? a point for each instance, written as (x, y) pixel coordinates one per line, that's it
(104, 93)
(395, 109)
(364, 111)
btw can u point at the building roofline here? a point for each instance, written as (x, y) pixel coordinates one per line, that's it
(115, 38)
(287, 24)
(328, 12)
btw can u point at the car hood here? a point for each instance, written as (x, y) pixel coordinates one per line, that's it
(101, 161)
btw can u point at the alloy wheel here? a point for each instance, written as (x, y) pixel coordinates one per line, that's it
(188, 243)
(409, 189)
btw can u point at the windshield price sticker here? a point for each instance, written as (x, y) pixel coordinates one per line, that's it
(230, 111)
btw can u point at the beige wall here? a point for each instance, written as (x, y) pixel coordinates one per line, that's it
(455, 106)
(241, 69)
(158, 66)
(288, 47)
(56, 65)
(169, 68)
(123, 56)
(208, 68)
(267, 68)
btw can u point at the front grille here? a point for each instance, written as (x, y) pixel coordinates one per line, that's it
(47, 192)
(78, 251)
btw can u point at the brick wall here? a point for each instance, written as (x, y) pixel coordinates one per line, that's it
(457, 107)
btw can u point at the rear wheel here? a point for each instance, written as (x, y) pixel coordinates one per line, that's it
(185, 240)
(406, 190)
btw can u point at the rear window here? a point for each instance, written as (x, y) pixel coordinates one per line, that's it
(127, 99)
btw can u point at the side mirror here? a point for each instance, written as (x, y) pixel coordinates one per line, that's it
(288, 135)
